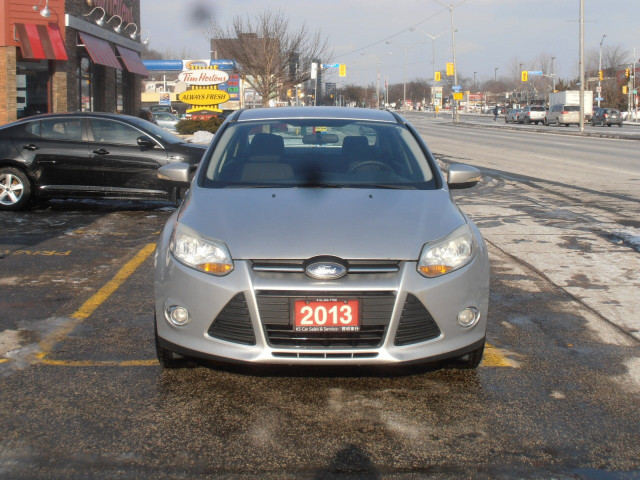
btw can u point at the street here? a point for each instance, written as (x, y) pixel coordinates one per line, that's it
(557, 395)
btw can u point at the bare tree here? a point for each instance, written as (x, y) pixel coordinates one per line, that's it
(269, 55)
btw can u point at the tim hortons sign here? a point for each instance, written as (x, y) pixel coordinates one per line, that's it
(203, 77)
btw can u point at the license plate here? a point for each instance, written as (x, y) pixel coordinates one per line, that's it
(326, 315)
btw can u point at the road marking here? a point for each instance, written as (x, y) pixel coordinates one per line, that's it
(45, 253)
(102, 363)
(493, 357)
(95, 301)
(4, 360)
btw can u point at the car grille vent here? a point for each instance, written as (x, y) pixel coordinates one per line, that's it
(233, 323)
(354, 266)
(416, 323)
(325, 355)
(275, 315)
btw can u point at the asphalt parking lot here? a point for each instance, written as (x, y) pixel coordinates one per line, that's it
(82, 396)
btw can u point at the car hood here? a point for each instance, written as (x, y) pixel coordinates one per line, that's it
(300, 223)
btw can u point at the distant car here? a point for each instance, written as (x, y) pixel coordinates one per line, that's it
(160, 108)
(512, 115)
(87, 154)
(532, 114)
(606, 116)
(563, 115)
(166, 120)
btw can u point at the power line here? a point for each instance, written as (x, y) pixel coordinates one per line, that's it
(390, 36)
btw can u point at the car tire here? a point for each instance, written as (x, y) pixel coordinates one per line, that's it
(593, 123)
(620, 125)
(19, 186)
(557, 122)
(471, 360)
(166, 358)
(527, 121)
(537, 123)
(602, 123)
(608, 124)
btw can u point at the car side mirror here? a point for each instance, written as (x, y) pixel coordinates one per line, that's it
(176, 173)
(463, 176)
(145, 142)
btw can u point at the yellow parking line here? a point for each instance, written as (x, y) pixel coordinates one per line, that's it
(96, 300)
(493, 357)
(4, 360)
(94, 363)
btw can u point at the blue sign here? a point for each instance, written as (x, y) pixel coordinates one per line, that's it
(330, 65)
(456, 88)
(599, 99)
(535, 72)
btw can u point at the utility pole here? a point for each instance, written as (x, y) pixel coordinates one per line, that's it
(495, 74)
(581, 66)
(635, 95)
(599, 71)
(404, 70)
(553, 76)
(378, 86)
(433, 61)
(453, 49)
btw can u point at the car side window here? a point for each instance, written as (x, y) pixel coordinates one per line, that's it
(107, 131)
(61, 129)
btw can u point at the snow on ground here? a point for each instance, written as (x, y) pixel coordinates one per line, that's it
(201, 137)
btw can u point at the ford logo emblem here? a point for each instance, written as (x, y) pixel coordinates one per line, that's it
(326, 271)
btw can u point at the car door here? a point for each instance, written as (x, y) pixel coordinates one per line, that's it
(126, 166)
(57, 152)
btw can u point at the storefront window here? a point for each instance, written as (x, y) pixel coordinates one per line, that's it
(119, 95)
(85, 78)
(32, 84)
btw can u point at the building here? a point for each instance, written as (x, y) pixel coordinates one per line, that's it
(69, 55)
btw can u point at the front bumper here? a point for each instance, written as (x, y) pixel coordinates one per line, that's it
(205, 296)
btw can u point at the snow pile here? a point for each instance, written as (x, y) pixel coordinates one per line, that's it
(630, 238)
(202, 136)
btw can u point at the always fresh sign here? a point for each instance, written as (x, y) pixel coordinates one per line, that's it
(203, 77)
(204, 96)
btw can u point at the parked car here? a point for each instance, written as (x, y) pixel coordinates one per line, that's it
(160, 108)
(166, 120)
(606, 116)
(532, 114)
(311, 248)
(512, 115)
(87, 154)
(563, 115)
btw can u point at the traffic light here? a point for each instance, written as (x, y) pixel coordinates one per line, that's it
(625, 89)
(524, 75)
(450, 69)
(342, 71)
(437, 77)
(627, 72)
(600, 76)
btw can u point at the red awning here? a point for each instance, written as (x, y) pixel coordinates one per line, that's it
(99, 51)
(41, 42)
(132, 61)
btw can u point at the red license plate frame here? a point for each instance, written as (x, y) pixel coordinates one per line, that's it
(340, 315)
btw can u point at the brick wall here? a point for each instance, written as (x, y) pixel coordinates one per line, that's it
(8, 93)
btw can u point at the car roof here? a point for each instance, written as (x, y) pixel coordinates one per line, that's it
(323, 113)
(44, 116)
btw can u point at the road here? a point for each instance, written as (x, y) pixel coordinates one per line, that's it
(81, 395)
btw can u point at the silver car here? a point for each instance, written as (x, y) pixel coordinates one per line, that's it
(320, 235)
(166, 120)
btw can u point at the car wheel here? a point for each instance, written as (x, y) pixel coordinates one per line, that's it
(557, 122)
(620, 125)
(526, 121)
(608, 124)
(602, 123)
(593, 123)
(15, 189)
(167, 358)
(470, 360)
(537, 123)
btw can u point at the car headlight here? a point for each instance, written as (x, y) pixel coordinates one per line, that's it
(209, 256)
(447, 255)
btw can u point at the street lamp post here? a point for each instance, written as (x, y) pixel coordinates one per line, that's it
(495, 74)
(404, 70)
(453, 49)
(581, 66)
(553, 76)
(433, 60)
(600, 70)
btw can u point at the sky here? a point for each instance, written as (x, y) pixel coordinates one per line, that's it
(489, 33)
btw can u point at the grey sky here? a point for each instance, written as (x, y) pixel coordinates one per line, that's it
(490, 32)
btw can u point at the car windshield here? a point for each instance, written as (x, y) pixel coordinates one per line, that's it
(537, 109)
(571, 108)
(318, 154)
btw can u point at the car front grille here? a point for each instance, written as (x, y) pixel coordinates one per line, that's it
(416, 323)
(353, 266)
(233, 323)
(275, 315)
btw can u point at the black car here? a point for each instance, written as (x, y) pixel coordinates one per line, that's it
(606, 116)
(87, 154)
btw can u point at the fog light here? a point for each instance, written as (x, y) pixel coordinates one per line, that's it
(468, 317)
(179, 316)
